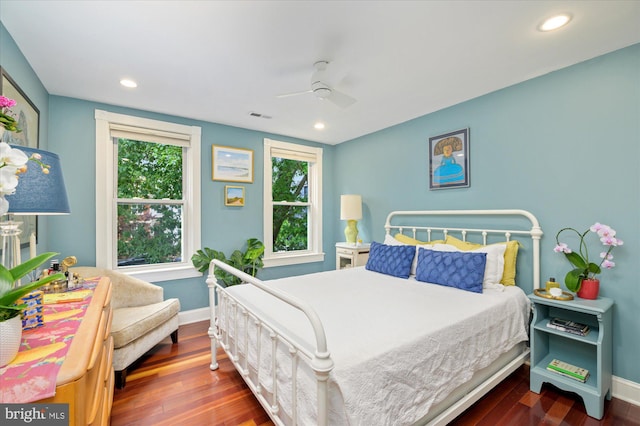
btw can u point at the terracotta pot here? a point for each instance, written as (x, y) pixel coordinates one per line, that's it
(589, 289)
(10, 339)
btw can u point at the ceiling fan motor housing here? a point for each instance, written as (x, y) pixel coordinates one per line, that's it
(320, 90)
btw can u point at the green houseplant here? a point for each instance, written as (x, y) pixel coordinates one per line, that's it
(10, 321)
(10, 294)
(249, 261)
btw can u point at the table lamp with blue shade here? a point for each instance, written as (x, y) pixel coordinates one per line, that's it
(37, 193)
(351, 211)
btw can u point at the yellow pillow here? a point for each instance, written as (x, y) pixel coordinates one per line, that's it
(510, 256)
(412, 241)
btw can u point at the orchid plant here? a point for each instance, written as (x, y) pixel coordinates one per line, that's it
(7, 120)
(584, 268)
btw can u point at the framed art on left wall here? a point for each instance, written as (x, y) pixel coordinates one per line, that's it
(28, 118)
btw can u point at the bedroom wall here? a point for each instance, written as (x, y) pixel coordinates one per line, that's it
(72, 136)
(18, 68)
(564, 146)
(67, 127)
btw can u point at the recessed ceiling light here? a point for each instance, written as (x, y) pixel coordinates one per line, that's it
(555, 22)
(128, 83)
(318, 126)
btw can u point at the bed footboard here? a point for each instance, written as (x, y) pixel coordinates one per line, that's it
(320, 360)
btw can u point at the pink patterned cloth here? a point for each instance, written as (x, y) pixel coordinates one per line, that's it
(32, 375)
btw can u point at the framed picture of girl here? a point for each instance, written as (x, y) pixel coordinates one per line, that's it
(449, 160)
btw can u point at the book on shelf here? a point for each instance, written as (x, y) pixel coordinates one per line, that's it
(568, 370)
(568, 326)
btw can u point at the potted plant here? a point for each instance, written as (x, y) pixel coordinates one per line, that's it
(10, 321)
(249, 261)
(583, 279)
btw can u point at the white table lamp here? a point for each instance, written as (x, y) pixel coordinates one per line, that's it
(351, 211)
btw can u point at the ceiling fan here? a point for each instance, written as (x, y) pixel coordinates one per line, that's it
(322, 90)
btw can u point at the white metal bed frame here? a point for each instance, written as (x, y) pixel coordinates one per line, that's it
(320, 359)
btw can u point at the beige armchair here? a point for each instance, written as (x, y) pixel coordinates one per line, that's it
(141, 317)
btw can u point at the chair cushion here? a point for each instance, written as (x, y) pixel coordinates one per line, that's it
(131, 323)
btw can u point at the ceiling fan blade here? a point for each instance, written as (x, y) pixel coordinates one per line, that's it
(286, 95)
(341, 99)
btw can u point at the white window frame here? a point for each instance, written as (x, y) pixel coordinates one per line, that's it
(314, 253)
(106, 201)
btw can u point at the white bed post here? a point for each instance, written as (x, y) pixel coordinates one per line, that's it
(211, 283)
(322, 365)
(536, 234)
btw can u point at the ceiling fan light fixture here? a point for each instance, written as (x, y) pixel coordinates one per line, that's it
(322, 92)
(555, 22)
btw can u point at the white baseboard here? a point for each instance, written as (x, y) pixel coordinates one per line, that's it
(194, 315)
(626, 390)
(623, 389)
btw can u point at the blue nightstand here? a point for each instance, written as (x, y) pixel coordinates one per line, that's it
(593, 351)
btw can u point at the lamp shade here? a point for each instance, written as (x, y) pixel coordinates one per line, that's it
(38, 193)
(350, 207)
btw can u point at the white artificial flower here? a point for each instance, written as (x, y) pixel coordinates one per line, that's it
(11, 160)
(11, 157)
(8, 180)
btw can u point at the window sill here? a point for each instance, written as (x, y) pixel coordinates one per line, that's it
(292, 259)
(165, 273)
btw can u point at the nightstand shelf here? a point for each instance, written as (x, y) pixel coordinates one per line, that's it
(351, 255)
(593, 351)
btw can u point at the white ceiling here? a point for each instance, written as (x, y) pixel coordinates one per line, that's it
(218, 61)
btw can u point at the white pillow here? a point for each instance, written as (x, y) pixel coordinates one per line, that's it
(414, 265)
(495, 261)
(390, 241)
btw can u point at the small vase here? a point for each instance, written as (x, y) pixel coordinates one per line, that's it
(10, 339)
(589, 288)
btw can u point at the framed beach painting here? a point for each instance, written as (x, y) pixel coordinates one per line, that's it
(449, 160)
(234, 196)
(232, 164)
(28, 118)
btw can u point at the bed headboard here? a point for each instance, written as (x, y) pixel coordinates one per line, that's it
(478, 226)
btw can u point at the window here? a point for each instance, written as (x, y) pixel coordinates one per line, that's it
(147, 196)
(292, 203)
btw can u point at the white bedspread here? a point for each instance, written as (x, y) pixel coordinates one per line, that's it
(399, 346)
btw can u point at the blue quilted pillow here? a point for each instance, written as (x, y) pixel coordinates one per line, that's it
(391, 260)
(463, 270)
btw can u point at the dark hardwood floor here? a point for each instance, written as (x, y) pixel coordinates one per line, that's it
(172, 385)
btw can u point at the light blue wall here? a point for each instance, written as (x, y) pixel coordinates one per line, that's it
(72, 136)
(565, 146)
(67, 127)
(12, 60)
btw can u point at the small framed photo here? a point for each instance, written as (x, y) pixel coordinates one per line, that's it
(234, 196)
(449, 160)
(232, 164)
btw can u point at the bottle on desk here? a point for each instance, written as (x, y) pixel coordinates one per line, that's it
(551, 284)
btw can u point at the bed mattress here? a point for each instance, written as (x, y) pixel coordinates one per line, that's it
(400, 346)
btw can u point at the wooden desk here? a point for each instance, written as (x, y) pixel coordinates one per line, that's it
(85, 380)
